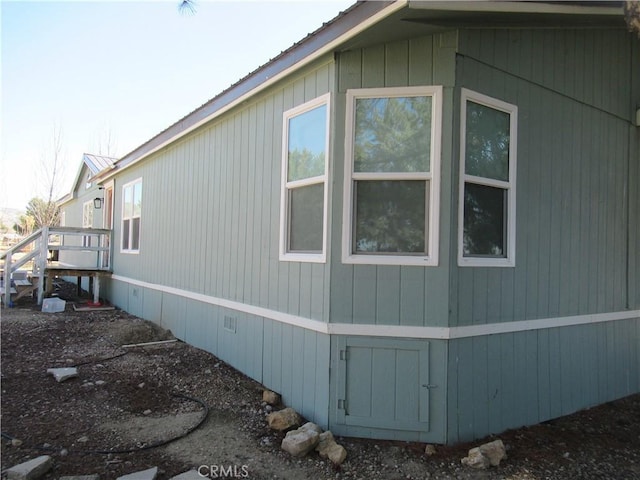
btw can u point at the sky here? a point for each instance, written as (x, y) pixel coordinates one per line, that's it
(108, 76)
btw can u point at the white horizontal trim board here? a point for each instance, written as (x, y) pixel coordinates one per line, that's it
(395, 331)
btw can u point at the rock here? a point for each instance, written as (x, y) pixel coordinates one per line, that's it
(149, 474)
(301, 441)
(283, 419)
(494, 451)
(328, 448)
(62, 374)
(430, 450)
(272, 398)
(34, 468)
(83, 439)
(486, 455)
(16, 442)
(147, 412)
(100, 382)
(476, 459)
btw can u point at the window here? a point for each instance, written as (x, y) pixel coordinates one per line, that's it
(303, 217)
(87, 221)
(131, 213)
(487, 206)
(392, 178)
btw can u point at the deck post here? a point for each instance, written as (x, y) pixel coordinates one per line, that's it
(7, 279)
(42, 261)
(96, 289)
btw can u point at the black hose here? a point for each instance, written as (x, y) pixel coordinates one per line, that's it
(137, 449)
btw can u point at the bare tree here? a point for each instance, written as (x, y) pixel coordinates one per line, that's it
(43, 213)
(43, 209)
(105, 144)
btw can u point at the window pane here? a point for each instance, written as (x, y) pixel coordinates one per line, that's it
(306, 205)
(137, 199)
(484, 221)
(125, 234)
(307, 142)
(390, 216)
(135, 234)
(392, 134)
(487, 142)
(128, 201)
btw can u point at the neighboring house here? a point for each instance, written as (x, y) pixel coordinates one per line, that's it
(88, 206)
(419, 223)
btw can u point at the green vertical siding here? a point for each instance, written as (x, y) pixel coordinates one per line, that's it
(572, 251)
(211, 209)
(510, 380)
(390, 295)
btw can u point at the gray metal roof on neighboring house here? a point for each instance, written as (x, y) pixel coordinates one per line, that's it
(98, 163)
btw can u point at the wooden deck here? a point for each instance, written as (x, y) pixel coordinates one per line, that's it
(54, 269)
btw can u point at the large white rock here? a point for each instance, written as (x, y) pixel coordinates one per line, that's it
(301, 441)
(494, 451)
(272, 398)
(328, 448)
(284, 419)
(486, 455)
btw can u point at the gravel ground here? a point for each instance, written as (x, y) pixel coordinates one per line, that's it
(124, 399)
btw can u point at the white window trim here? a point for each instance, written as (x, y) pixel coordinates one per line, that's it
(435, 92)
(122, 219)
(285, 255)
(510, 186)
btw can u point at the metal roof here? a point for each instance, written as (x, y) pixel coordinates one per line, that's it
(98, 163)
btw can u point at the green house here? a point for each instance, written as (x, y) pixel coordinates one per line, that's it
(420, 222)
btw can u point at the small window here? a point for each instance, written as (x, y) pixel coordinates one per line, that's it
(87, 221)
(392, 176)
(303, 218)
(131, 214)
(487, 181)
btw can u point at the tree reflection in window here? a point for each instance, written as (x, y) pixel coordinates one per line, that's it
(484, 220)
(392, 136)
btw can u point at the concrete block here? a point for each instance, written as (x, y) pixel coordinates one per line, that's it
(53, 305)
(31, 470)
(62, 374)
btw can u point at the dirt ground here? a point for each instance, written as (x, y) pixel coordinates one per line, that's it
(126, 405)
